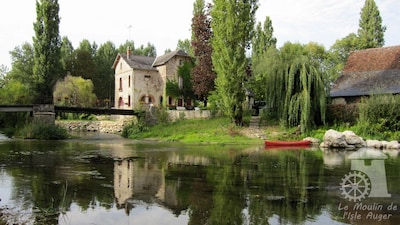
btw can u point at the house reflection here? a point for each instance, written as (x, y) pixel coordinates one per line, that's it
(145, 180)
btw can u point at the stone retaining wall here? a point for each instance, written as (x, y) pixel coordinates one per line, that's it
(110, 125)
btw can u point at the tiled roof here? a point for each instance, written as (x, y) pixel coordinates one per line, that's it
(148, 63)
(369, 71)
(161, 60)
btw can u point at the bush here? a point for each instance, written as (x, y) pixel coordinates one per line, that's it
(379, 116)
(42, 131)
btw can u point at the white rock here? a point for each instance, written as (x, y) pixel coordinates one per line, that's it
(335, 139)
(374, 144)
(393, 145)
(351, 138)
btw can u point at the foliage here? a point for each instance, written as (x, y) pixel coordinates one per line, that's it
(149, 50)
(232, 24)
(22, 61)
(379, 113)
(338, 54)
(3, 73)
(185, 46)
(183, 86)
(263, 39)
(203, 73)
(104, 80)
(371, 31)
(262, 58)
(74, 91)
(42, 131)
(47, 44)
(15, 92)
(296, 86)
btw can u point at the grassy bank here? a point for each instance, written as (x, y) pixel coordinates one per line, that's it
(206, 131)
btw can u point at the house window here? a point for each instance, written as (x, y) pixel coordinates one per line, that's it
(129, 81)
(180, 82)
(129, 100)
(180, 62)
(143, 99)
(120, 84)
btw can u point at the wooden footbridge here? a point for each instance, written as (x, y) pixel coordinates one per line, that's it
(66, 109)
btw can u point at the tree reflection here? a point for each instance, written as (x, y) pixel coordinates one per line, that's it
(236, 186)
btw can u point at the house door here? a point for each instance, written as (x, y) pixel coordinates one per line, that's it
(120, 102)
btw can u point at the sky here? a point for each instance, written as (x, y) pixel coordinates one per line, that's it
(162, 23)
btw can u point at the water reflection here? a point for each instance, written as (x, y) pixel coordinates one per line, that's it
(117, 181)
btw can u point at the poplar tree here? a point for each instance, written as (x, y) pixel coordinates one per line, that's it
(203, 74)
(263, 39)
(233, 25)
(371, 31)
(47, 44)
(263, 45)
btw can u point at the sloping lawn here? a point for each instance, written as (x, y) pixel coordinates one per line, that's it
(219, 131)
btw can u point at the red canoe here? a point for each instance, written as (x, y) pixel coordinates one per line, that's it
(287, 143)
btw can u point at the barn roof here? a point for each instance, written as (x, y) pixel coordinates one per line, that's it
(375, 70)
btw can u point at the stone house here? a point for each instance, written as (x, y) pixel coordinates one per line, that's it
(367, 72)
(140, 80)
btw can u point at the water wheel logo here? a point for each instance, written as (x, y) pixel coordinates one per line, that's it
(355, 186)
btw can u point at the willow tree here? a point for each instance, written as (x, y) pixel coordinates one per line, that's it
(232, 25)
(297, 87)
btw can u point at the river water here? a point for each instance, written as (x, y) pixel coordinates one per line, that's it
(104, 179)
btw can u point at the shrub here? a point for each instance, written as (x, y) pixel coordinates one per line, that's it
(379, 116)
(42, 131)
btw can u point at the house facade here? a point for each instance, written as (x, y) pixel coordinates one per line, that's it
(140, 81)
(370, 71)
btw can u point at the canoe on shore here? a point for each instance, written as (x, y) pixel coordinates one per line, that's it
(287, 143)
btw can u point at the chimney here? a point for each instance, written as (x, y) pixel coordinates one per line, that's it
(128, 52)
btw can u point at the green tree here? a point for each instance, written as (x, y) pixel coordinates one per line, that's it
(371, 31)
(104, 80)
(263, 45)
(15, 92)
(149, 50)
(123, 47)
(74, 91)
(203, 73)
(67, 53)
(338, 54)
(3, 73)
(185, 45)
(22, 62)
(296, 87)
(46, 43)
(263, 39)
(83, 62)
(232, 24)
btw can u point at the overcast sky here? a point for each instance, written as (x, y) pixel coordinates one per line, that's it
(163, 23)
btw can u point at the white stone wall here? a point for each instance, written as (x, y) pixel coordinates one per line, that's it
(188, 114)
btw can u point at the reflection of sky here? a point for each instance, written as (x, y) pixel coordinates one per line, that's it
(5, 188)
(141, 214)
(12, 208)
